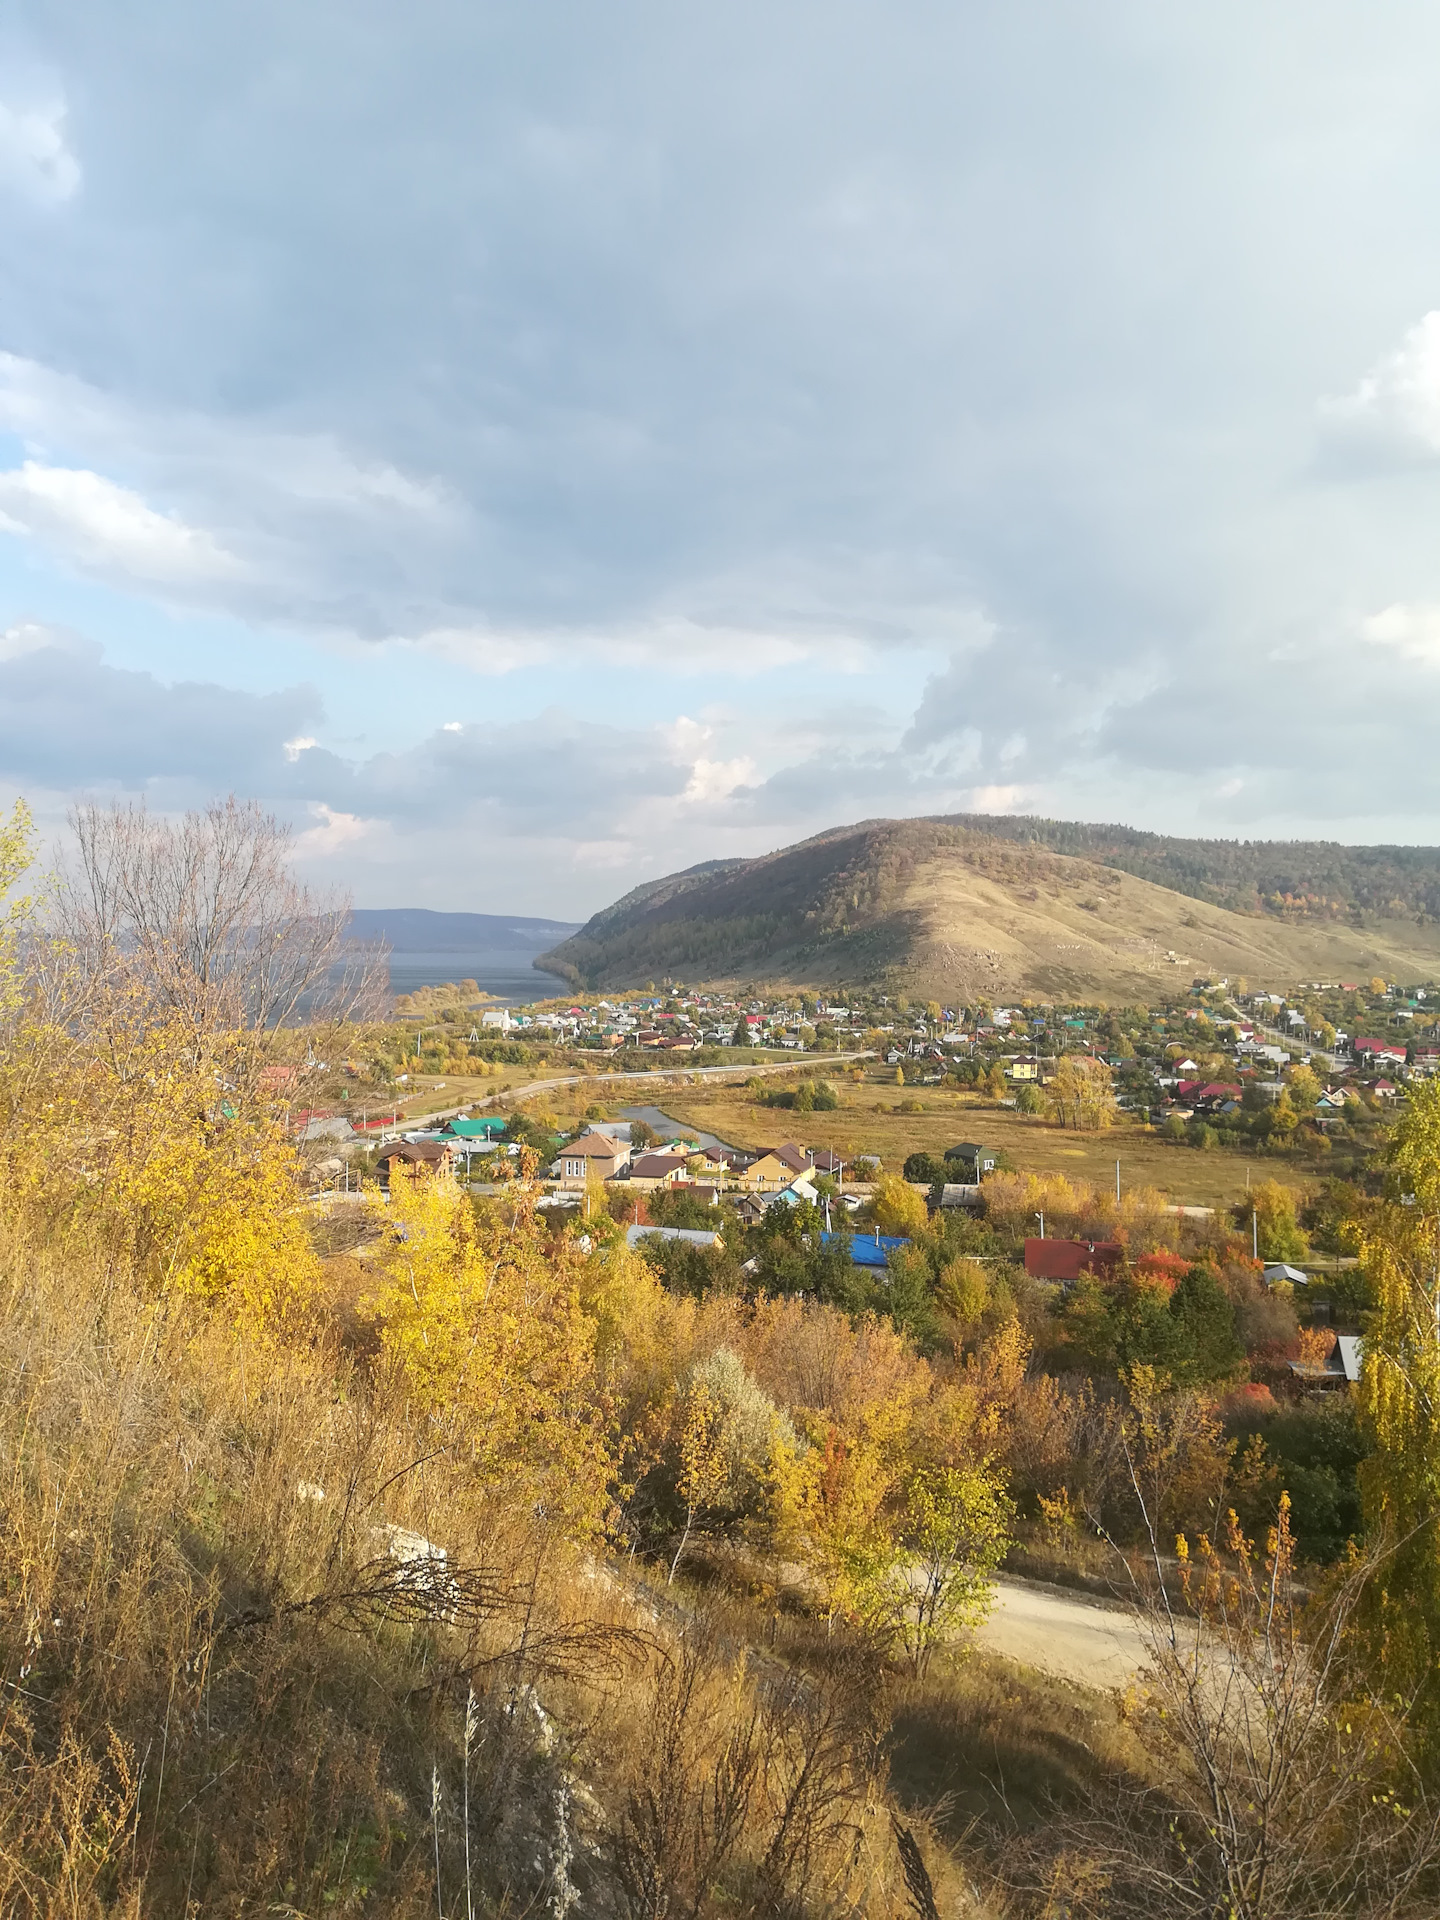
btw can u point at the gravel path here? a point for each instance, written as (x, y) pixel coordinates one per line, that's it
(1068, 1634)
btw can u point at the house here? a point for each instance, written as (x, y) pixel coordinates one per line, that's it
(1066, 1260)
(775, 1169)
(1278, 1270)
(693, 1235)
(799, 1192)
(417, 1156)
(1023, 1070)
(868, 1249)
(1382, 1052)
(488, 1126)
(973, 1158)
(824, 1161)
(651, 1170)
(594, 1156)
(1340, 1368)
(499, 1018)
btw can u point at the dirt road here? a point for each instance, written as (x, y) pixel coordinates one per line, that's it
(600, 1081)
(1084, 1640)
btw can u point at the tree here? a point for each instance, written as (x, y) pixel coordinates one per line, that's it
(205, 916)
(1080, 1093)
(954, 1530)
(704, 1469)
(1288, 1791)
(1399, 1400)
(1304, 1087)
(1277, 1235)
(481, 1319)
(897, 1208)
(1203, 1312)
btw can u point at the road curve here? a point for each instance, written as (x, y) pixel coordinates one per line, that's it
(1068, 1634)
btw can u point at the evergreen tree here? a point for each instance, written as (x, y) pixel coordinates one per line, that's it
(1211, 1347)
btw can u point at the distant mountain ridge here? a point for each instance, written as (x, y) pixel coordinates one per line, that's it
(420, 930)
(969, 904)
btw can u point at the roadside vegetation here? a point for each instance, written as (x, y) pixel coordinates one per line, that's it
(444, 1554)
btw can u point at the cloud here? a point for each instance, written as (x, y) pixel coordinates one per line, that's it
(1399, 398)
(108, 529)
(953, 387)
(34, 157)
(69, 722)
(1411, 632)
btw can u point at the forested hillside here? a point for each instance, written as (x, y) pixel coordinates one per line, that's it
(1293, 879)
(971, 905)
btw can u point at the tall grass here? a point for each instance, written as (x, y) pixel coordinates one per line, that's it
(236, 1679)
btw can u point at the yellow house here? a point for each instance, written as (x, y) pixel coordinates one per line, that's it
(774, 1170)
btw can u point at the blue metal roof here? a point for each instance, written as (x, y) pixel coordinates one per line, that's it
(868, 1249)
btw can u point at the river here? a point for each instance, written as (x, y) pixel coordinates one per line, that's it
(667, 1126)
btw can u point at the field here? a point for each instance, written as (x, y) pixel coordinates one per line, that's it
(1187, 1177)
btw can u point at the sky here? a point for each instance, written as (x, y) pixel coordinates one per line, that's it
(536, 448)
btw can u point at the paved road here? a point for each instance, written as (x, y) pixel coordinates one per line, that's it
(1080, 1639)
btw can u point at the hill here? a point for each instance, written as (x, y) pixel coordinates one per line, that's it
(956, 908)
(1288, 879)
(418, 930)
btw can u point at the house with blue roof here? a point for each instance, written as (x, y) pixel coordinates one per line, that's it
(867, 1249)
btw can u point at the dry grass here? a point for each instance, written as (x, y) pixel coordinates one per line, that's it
(1186, 1177)
(225, 1693)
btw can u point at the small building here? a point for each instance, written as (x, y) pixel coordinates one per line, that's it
(696, 1236)
(487, 1126)
(1277, 1270)
(868, 1249)
(594, 1156)
(1067, 1260)
(1339, 1369)
(973, 1159)
(417, 1156)
(956, 1194)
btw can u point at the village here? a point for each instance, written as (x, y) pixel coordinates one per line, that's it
(1295, 1085)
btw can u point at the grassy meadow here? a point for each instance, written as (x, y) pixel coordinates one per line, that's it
(867, 1122)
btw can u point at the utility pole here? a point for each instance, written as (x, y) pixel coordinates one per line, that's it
(1117, 1183)
(1041, 1218)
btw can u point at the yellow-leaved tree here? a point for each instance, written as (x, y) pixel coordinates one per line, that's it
(1399, 1400)
(483, 1322)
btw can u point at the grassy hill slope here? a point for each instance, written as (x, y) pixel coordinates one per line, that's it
(1292, 879)
(950, 908)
